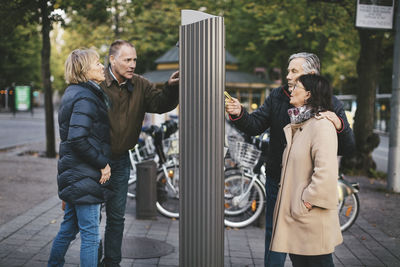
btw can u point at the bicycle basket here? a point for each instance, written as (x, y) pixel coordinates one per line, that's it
(232, 140)
(171, 146)
(246, 155)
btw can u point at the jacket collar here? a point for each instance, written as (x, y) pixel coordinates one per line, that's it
(110, 79)
(96, 89)
(285, 90)
(289, 133)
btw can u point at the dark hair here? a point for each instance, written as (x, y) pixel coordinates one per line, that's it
(116, 45)
(321, 92)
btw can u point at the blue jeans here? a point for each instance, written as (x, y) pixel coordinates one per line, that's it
(83, 219)
(115, 210)
(271, 258)
(312, 261)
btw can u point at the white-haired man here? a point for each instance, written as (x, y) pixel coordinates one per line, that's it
(273, 115)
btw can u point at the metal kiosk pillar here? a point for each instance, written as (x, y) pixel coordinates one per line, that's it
(201, 139)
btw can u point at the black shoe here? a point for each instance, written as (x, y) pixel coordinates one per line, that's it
(104, 263)
(100, 254)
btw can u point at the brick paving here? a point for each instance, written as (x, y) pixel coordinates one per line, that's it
(26, 236)
(26, 241)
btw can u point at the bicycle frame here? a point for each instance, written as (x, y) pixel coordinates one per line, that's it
(255, 178)
(164, 167)
(345, 188)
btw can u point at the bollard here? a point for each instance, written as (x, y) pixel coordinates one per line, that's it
(146, 193)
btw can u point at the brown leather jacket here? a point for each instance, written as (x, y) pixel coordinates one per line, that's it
(129, 103)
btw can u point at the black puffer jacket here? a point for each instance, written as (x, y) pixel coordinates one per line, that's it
(273, 114)
(85, 145)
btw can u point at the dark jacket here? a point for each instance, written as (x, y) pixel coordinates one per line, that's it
(85, 145)
(129, 103)
(273, 114)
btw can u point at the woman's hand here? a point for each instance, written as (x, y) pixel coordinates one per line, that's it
(308, 205)
(233, 107)
(105, 174)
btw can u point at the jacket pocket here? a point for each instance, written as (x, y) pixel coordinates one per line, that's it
(298, 209)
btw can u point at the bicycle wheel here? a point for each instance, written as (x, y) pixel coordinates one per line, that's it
(348, 211)
(242, 209)
(168, 192)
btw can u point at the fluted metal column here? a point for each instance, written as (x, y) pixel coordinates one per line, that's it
(201, 139)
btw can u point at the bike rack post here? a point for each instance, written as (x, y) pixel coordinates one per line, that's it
(201, 139)
(146, 193)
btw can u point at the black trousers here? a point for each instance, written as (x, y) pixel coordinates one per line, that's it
(312, 261)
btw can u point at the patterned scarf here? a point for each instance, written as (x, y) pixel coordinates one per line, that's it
(300, 114)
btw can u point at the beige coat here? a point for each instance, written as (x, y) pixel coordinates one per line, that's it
(309, 173)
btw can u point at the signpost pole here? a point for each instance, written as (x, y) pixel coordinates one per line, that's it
(394, 148)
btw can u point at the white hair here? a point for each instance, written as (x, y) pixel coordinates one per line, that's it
(311, 63)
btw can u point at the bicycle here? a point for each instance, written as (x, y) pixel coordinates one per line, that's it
(144, 150)
(168, 179)
(245, 191)
(164, 150)
(349, 203)
(244, 183)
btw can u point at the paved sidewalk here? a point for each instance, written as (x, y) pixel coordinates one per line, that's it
(26, 236)
(26, 241)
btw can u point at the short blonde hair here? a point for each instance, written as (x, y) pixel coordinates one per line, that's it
(77, 65)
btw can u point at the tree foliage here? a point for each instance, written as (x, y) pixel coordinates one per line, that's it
(20, 60)
(270, 31)
(261, 33)
(41, 13)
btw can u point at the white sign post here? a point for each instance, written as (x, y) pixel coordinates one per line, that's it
(375, 14)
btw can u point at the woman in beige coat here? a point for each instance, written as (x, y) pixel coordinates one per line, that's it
(306, 222)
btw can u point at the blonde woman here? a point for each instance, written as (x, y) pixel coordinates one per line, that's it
(306, 222)
(83, 165)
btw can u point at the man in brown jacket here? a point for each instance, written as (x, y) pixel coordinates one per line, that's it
(131, 96)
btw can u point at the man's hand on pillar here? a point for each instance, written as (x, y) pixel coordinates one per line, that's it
(174, 79)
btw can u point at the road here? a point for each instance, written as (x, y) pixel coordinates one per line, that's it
(23, 128)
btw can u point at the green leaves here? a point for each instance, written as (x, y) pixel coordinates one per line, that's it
(259, 33)
(20, 60)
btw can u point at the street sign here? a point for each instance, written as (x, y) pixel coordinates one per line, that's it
(376, 14)
(22, 98)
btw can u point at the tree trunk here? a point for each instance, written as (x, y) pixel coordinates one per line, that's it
(321, 48)
(368, 67)
(116, 20)
(48, 100)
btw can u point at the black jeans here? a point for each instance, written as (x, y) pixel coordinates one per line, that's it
(115, 211)
(312, 261)
(271, 258)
